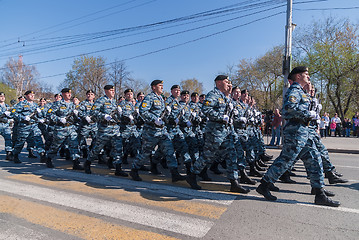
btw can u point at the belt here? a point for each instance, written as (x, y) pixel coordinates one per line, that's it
(64, 124)
(108, 123)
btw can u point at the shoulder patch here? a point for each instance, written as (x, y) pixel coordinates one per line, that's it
(206, 103)
(14, 110)
(144, 104)
(292, 99)
(49, 111)
(93, 107)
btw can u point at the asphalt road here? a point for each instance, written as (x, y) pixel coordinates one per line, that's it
(41, 203)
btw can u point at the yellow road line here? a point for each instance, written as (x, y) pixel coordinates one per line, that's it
(74, 224)
(172, 203)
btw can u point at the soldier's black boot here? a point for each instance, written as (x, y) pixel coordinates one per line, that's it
(110, 163)
(265, 157)
(43, 157)
(214, 168)
(87, 167)
(124, 158)
(223, 164)
(134, 175)
(264, 190)
(61, 152)
(235, 187)
(119, 171)
(101, 158)
(176, 176)
(261, 163)
(322, 199)
(9, 156)
(49, 163)
(192, 181)
(327, 192)
(154, 169)
(163, 163)
(16, 159)
(259, 168)
(253, 171)
(67, 154)
(245, 178)
(188, 168)
(84, 152)
(333, 178)
(31, 154)
(272, 187)
(285, 178)
(204, 175)
(76, 165)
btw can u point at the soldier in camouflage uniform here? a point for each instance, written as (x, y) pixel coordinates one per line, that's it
(63, 114)
(218, 135)
(5, 131)
(195, 107)
(107, 114)
(154, 133)
(296, 142)
(26, 114)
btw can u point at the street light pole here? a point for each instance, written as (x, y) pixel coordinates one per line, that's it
(288, 47)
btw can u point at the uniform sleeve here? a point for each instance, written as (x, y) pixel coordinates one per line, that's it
(145, 110)
(293, 109)
(95, 112)
(51, 113)
(210, 108)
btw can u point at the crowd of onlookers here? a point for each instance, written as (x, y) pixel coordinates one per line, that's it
(335, 127)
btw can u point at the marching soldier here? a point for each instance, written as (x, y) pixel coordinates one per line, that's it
(5, 131)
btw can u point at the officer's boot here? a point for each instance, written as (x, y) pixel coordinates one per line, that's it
(285, 178)
(192, 181)
(261, 163)
(327, 192)
(31, 154)
(163, 162)
(62, 152)
(214, 168)
(43, 157)
(76, 165)
(272, 187)
(124, 158)
(265, 157)
(49, 163)
(176, 176)
(188, 168)
(264, 190)
(110, 163)
(204, 175)
(9, 156)
(134, 175)
(87, 166)
(101, 158)
(259, 168)
(154, 169)
(223, 164)
(67, 154)
(16, 159)
(336, 173)
(119, 171)
(235, 187)
(253, 171)
(84, 152)
(333, 178)
(245, 178)
(322, 199)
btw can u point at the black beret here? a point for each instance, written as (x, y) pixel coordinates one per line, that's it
(66, 90)
(2, 94)
(155, 82)
(184, 92)
(194, 94)
(175, 86)
(20, 97)
(221, 77)
(244, 91)
(28, 92)
(90, 91)
(140, 93)
(56, 95)
(234, 88)
(202, 95)
(108, 87)
(298, 69)
(128, 90)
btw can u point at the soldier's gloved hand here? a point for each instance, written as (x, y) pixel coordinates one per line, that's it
(159, 122)
(320, 107)
(252, 119)
(243, 119)
(38, 110)
(41, 120)
(7, 113)
(226, 118)
(76, 112)
(230, 106)
(188, 123)
(88, 119)
(63, 120)
(313, 114)
(27, 118)
(194, 114)
(199, 119)
(176, 121)
(168, 108)
(119, 109)
(137, 110)
(131, 117)
(108, 117)
(235, 112)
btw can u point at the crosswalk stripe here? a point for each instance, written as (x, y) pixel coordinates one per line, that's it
(190, 226)
(71, 223)
(130, 196)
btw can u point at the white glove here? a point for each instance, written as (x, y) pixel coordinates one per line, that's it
(27, 118)
(230, 106)
(188, 123)
(137, 110)
(235, 112)
(7, 113)
(194, 114)
(159, 122)
(243, 119)
(63, 120)
(108, 117)
(226, 118)
(176, 121)
(76, 112)
(131, 117)
(313, 114)
(41, 120)
(88, 119)
(320, 107)
(119, 109)
(199, 119)
(38, 110)
(252, 119)
(168, 108)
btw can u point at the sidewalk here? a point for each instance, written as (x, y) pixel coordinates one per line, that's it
(333, 144)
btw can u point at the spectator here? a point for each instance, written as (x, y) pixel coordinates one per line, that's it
(276, 126)
(338, 129)
(347, 125)
(326, 124)
(355, 128)
(356, 124)
(333, 126)
(322, 127)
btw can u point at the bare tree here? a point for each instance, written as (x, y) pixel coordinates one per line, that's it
(192, 85)
(119, 76)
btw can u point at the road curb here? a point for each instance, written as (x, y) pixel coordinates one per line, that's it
(331, 150)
